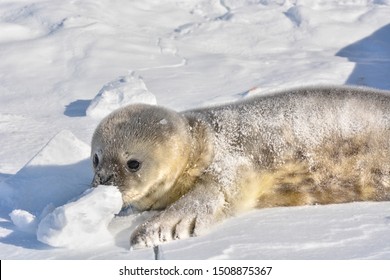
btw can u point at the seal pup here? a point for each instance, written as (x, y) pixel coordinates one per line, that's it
(314, 145)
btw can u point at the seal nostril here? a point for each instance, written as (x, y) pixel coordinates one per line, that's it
(106, 180)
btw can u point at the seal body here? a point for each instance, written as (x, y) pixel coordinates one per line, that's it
(315, 145)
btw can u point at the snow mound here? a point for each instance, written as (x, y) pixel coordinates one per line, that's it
(123, 91)
(64, 148)
(23, 220)
(56, 174)
(84, 222)
(10, 32)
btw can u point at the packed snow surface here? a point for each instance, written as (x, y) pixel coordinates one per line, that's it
(66, 64)
(56, 174)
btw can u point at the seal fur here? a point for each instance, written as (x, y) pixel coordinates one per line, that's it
(314, 145)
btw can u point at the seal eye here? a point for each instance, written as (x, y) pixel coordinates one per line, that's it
(95, 160)
(133, 165)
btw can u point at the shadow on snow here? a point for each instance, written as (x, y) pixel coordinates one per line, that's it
(372, 58)
(77, 108)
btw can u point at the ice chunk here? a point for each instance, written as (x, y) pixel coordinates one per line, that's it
(84, 222)
(123, 91)
(24, 220)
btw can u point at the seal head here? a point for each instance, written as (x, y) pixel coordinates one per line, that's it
(141, 149)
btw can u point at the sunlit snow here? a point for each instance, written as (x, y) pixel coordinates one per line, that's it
(66, 64)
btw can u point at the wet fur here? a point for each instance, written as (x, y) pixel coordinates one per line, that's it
(315, 145)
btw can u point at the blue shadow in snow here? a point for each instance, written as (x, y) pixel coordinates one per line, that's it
(4, 176)
(77, 108)
(372, 58)
(38, 186)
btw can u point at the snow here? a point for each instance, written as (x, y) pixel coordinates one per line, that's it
(24, 220)
(121, 92)
(66, 64)
(84, 222)
(59, 172)
(344, 231)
